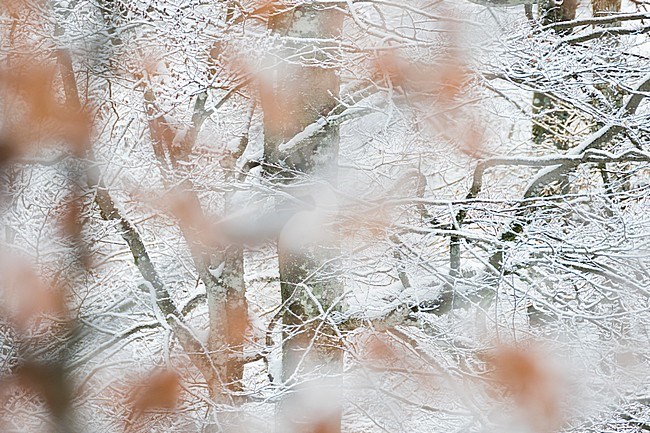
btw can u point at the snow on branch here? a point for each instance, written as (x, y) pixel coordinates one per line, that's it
(589, 156)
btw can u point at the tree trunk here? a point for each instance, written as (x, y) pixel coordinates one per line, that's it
(302, 94)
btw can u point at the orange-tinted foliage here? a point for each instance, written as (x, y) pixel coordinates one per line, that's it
(14, 8)
(439, 90)
(28, 298)
(535, 387)
(372, 224)
(328, 425)
(238, 322)
(36, 310)
(379, 349)
(263, 9)
(35, 114)
(48, 382)
(278, 117)
(201, 230)
(160, 390)
(444, 79)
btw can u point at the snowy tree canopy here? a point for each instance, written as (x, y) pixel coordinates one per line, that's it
(320, 216)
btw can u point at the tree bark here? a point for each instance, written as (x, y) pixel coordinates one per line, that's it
(302, 94)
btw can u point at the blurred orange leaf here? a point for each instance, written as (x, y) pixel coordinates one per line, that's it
(35, 113)
(27, 297)
(49, 382)
(528, 378)
(160, 390)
